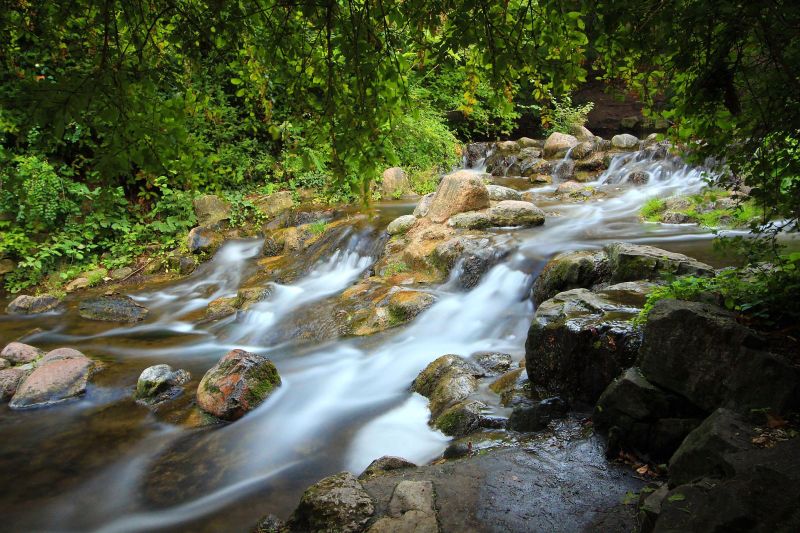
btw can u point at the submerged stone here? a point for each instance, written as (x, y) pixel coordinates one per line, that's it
(112, 308)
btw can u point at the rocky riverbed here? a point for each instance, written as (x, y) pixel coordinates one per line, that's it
(487, 337)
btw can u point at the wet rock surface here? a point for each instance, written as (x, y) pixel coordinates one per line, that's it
(160, 383)
(112, 308)
(31, 305)
(17, 353)
(458, 192)
(238, 383)
(61, 375)
(337, 503)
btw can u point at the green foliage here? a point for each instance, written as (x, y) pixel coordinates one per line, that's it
(318, 228)
(564, 117)
(765, 292)
(395, 268)
(653, 209)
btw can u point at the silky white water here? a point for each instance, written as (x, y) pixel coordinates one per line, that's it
(343, 402)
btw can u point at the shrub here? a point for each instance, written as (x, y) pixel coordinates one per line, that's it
(564, 117)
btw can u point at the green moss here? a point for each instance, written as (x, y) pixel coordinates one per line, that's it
(450, 421)
(395, 268)
(318, 227)
(653, 209)
(262, 382)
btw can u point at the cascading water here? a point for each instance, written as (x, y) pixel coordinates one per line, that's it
(343, 402)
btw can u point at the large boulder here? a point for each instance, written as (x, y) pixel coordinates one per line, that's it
(61, 375)
(394, 183)
(210, 209)
(273, 204)
(570, 270)
(474, 257)
(461, 419)
(337, 503)
(424, 205)
(382, 465)
(203, 240)
(30, 305)
(470, 220)
(557, 144)
(515, 213)
(579, 340)
(535, 416)
(238, 383)
(160, 382)
(624, 141)
(447, 381)
(702, 353)
(458, 192)
(630, 262)
(642, 417)
(112, 308)
(18, 353)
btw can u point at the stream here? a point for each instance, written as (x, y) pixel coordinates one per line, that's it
(104, 463)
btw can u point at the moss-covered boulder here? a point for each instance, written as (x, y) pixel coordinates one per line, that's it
(629, 262)
(210, 209)
(460, 419)
(222, 307)
(337, 503)
(112, 308)
(159, 383)
(447, 381)
(401, 224)
(237, 384)
(580, 340)
(570, 270)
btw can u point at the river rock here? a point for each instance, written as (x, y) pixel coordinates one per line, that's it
(458, 192)
(569, 188)
(222, 307)
(582, 133)
(494, 363)
(583, 150)
(751, 490)
(702, 353)
(558, 143)
(10, 378)
(535, 416)
(527, 142)
(119, 274)
(4, 363)
(570, 270)
(470, 220)
(77, 284)
(460, 419)
(394, 183)
(564, 170)
(401, 224)
(18, 353)
(30, 305)
(446, 381)
(475, 256)
(405, 305)
(203, 240)
(160, 382)
(210, 209)
(273, 205)
(630, 262)
(424, 205)
(237, 384)
(642, 417)
(515, 213)
(498, 193)
(637, 177)
(624, 141)
(112, 308)
(592, 163)
(579, 340)
(387, 463)
(337, 503)
(410, 510)
(61, 375)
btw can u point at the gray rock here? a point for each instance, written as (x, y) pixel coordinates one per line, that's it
(499, 193)
(401, 224)
(30, 305)
(624, 141)
(10, 379)
(570, 270)
(424, 205)
(564, 170)
(337, 503)
(535, 416)
(119, 274)
(410, 510)
(630, 262)
(579, 341)
(673, 217)
(557, 144)
(446, 381)
(470, 220)
(210, 209)
(702, 353)
(160, 382)
(112, 308)
(203, 240)
(18, 353)
(387, 463)
(460, 419)
(515, 213)
(495, 363)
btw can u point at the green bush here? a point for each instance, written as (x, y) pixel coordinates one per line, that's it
(564, 117)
